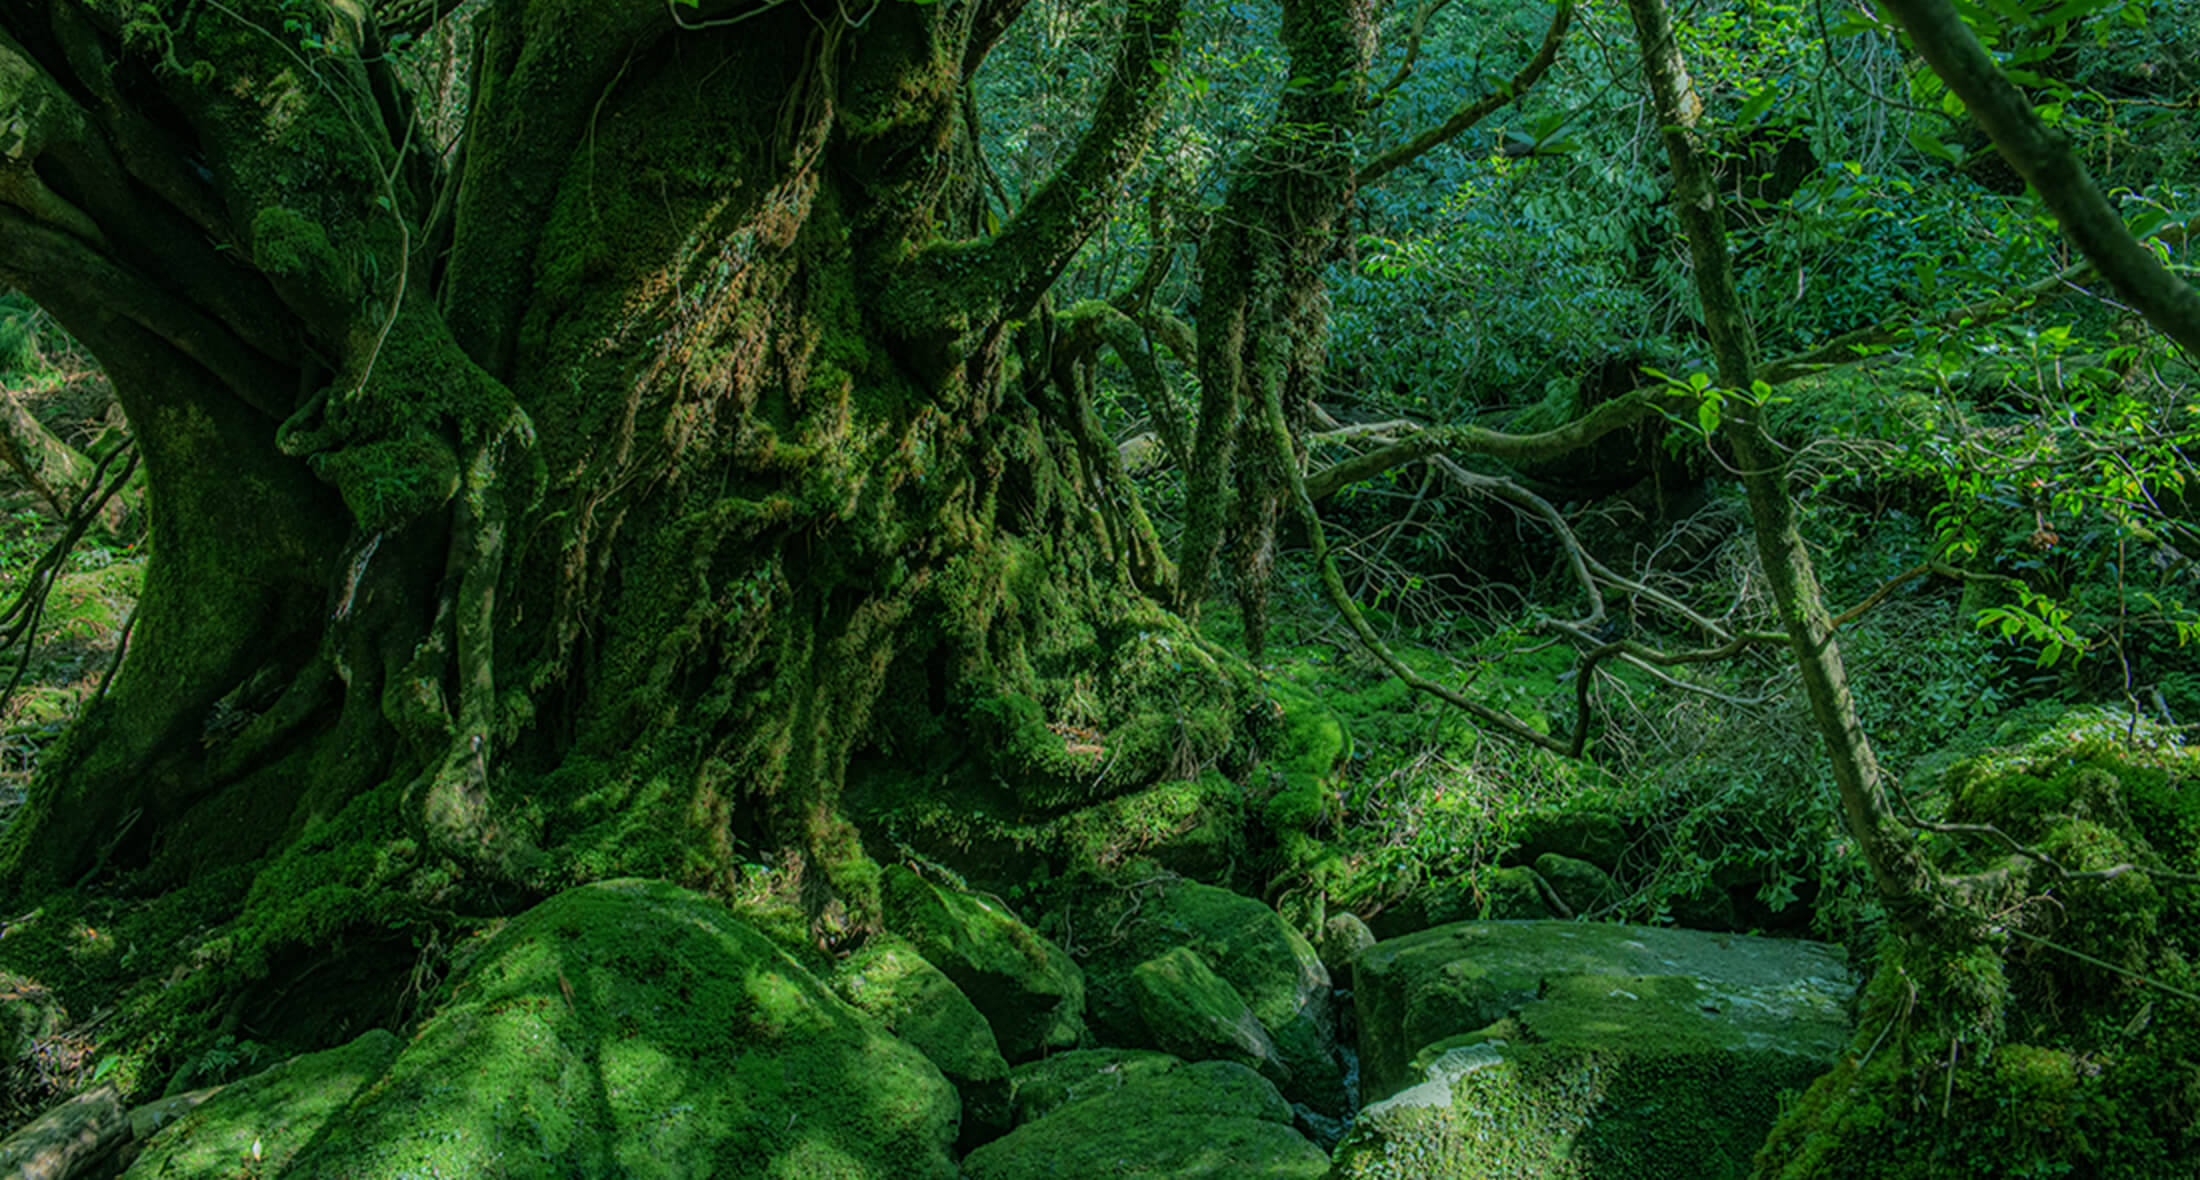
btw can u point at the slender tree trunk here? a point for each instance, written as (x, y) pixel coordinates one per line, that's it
(1264, 308)
(1904, 878)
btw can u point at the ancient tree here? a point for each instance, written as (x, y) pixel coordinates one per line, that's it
(579, 497)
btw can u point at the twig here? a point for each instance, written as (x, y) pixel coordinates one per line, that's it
(2126, 972)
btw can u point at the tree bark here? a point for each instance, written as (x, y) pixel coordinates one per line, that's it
(1263, 322)
(581, 508)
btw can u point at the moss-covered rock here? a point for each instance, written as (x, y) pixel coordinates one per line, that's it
(1044, 1086)
(1343, 936)
(1210, 1119)
(1583, 886)
(1713, 992)
(1242, 941)
(1031, 991)
(2057, 1036)
(1599, 837)
(632, 1028)
(259, 1125)
(1195, 1014)
(918, 1003)
(1601, 1051)
(1511, 893)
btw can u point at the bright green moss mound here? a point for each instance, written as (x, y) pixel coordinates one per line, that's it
(889, 979)
(1214, 1119)
(632, 1028)
(257, 1126)
(1027, 986)
(1505, 1111)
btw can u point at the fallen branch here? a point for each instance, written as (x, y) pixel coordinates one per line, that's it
(69, 1139)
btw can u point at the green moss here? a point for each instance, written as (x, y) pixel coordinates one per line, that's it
(259, 1125)
(1192, 1013)
(2018, 1058)
(633, 1028)
(1214, 1119)
(389, 484)
(1526, 1112)
(1030, 990)
(289, 244)
(892, 982)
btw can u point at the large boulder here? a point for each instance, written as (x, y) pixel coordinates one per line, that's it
(918, 1003)
(1196, 1015)
(1544, 1049)
(258, 1125)
(632, 1028)
(1181, 1121)
(1244, 943)
(1031, 991)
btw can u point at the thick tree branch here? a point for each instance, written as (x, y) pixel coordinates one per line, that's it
(956, 288)
(2046, 162)
(1617, 414)
(1656, 400)
(1101, 323)
(1479, 109)
(987, 27)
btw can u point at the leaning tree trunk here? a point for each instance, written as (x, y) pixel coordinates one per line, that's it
(1906, 882)
(579, 506)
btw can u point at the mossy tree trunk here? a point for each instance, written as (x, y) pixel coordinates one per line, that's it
(1904, 879)
(1264, 309)
(577, 504)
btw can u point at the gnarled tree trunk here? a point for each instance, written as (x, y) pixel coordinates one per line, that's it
(576, 505)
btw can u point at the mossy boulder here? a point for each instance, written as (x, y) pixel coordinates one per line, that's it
(1583, 886)
(1031, 991)
(1194, 827)
(2060, 1041)
(1726, 991)
(1523, 1050)
(1343, 936)
(1195, 1014)
(1306, 743)
(918, 1003)
(1242, 941)
(1489, 893)
(257, 1126)
(633, 1028)
(1209, 1119)
(1599, 837)
(1039, 1088)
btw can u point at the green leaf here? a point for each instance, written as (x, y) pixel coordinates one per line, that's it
(1928, 143)
(1757, 105)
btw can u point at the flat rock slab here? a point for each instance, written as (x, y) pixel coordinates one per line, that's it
(1715, 990)
(1535, 1049)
